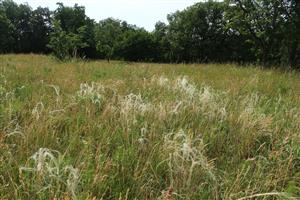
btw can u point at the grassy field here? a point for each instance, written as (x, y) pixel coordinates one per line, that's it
(93, 130)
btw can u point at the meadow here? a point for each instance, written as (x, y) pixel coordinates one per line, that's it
(119, 130)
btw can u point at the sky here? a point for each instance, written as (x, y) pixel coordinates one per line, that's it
(143, 13)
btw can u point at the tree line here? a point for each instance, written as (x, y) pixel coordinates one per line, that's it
(265, 32)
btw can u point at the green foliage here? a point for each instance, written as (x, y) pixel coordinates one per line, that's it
(107, 34)
(41, 28)
(137, 45)
(79, 29)
(29, 30)
(265, 32)
(65, 45)
(198, 34)
(5, 33)
(58, 42)
(267, 24)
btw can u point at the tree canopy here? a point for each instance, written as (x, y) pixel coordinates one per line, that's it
(266, 32)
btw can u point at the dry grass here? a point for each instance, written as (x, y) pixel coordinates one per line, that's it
(93, 130)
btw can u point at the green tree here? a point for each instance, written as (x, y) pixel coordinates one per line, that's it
(76, 42)
(65, 45)
(263, 22)
(71, 18)
(79, 27)
(41, 29)
(11, 11)
(136, 45)
(6, 30)
(24, 28)
(58, 42)
(160, 35)
(107, 34)
(290, 47)
(19, 16)
(29, 29)
(198, 34)
(262, 31)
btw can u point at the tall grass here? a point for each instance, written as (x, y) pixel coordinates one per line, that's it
(93, 130)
